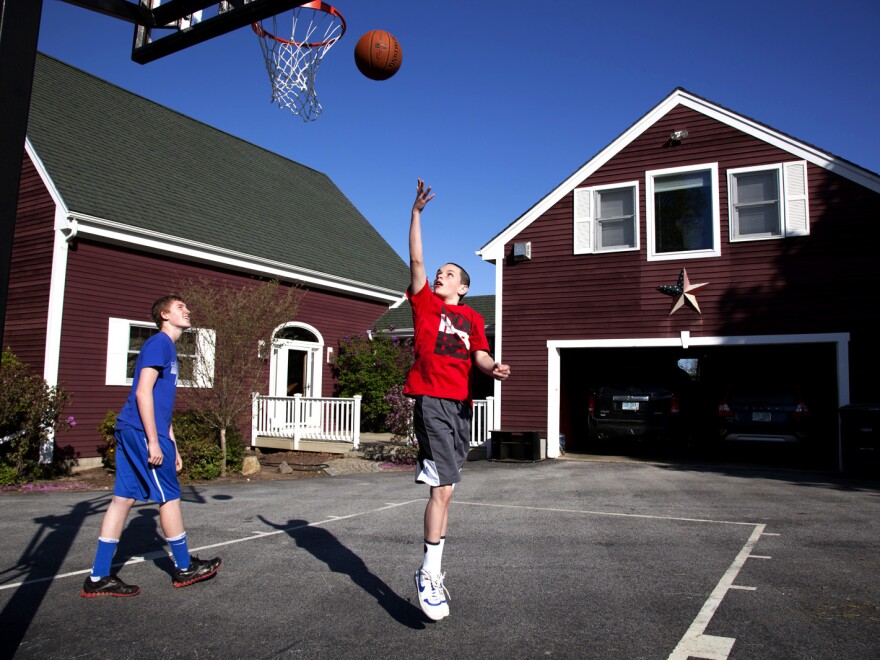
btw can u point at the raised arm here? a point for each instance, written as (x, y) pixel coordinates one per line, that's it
(416, 256)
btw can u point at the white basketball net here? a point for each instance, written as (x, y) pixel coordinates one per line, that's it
(292, 62)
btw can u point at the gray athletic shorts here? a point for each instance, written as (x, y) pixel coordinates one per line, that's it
(443, 429)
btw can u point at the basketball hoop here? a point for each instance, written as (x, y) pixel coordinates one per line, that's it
(293, 62)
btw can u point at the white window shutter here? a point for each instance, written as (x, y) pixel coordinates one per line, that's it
(205, 350)
(797, 215)
(117, 351)
(583, 220)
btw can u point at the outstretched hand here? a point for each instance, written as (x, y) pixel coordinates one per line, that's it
(423, 196)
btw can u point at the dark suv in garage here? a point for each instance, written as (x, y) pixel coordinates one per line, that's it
(633, 411)
(764, 410)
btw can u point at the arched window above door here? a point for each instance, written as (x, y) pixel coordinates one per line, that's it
(296, 333)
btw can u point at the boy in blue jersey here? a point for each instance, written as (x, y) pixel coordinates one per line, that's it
(147, 460)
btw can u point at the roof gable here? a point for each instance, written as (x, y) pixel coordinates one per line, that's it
(117, 157)
(493, 250)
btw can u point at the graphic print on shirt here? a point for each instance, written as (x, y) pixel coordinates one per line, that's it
(453, 335)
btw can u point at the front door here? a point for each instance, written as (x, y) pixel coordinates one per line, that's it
(293, 370)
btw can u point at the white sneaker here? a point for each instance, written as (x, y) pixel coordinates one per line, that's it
(432, 594)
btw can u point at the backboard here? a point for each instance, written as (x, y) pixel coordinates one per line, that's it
(163, 27)
(179, 24)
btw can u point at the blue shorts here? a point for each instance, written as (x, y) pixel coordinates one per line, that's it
(443, 429)
(135, 477)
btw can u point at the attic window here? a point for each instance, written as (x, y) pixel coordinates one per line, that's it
(768, 202)
(606, 218)
(682, 212)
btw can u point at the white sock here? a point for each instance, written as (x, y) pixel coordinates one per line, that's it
(433, 557)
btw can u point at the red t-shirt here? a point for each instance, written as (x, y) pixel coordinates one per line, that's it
(446, 336)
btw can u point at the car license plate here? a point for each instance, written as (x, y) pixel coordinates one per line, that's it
(629, 405)
(761, 416)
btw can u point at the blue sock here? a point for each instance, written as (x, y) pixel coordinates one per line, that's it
(180, 551)
(103, 557)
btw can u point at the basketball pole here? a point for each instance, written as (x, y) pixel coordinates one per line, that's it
(19, 31)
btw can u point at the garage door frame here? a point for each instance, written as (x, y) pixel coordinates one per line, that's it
(685, 340)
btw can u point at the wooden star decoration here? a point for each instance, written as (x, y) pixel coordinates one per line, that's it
(684, 290)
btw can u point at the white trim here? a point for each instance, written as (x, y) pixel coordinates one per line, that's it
(650, 175)
(804, 151)
(499, 353)
(554, 361)
(44, 176)
(55, 311)
(145, 239)
(58, 276)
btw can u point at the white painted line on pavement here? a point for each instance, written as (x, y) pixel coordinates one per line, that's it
(695, 642)
(254, 536)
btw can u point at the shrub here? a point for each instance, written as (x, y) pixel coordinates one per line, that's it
(107, 450)
(197, 441)
(371, 368)
(31, 411)
(199, 445)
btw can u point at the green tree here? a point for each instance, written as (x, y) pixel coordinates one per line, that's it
(372, 367)
(232, 323)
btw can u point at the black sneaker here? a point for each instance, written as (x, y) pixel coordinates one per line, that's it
(108, 586)
(199, 569)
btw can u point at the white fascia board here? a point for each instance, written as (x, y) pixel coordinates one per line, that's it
(680, 97)
(144, 239)
(47, 181)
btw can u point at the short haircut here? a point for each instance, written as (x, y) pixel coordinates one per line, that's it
(465, 278)
(161, 306)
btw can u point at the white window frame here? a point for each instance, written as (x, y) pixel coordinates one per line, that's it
(118, 336)
(586, 223)
(650, 214)
(794, 212)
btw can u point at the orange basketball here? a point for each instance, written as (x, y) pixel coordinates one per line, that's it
(378, 55)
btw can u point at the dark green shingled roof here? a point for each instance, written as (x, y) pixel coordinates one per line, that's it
(120, 157)
(398, 321)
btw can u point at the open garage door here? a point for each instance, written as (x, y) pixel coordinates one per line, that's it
(754, 400)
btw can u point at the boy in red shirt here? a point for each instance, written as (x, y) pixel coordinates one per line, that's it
(449, 337)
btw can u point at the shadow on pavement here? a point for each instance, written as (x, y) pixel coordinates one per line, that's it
(324, 546)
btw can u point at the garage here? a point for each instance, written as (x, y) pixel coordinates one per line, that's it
(704, 374)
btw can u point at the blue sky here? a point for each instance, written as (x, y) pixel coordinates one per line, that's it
(498, 102)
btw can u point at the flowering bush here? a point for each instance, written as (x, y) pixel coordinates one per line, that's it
(399, 420)
(31, 411)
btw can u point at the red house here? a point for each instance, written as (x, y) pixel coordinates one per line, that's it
(120, 198)
(780, 233)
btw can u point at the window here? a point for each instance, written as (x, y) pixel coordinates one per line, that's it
(768, 202)
(682, 209)
(606, 218)
(126, 338)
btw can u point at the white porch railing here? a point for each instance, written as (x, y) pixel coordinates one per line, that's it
(483, 421)
(336, 419)
(310, 418)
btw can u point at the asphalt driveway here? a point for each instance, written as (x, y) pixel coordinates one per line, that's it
(561, 558)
